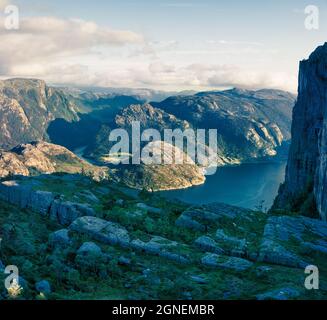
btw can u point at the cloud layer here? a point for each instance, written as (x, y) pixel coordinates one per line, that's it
(75, 51)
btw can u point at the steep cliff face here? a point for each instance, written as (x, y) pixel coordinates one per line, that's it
(305, 187)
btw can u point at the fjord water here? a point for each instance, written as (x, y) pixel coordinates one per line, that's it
(247, 185)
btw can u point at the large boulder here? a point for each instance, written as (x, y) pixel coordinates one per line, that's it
(200, 217)
(101, 230)
(286, 239)
(60, 238)
(272, 252)
(14, 193)
(41, 202)
(208, 244)
(223, 262)
(164, 248)
(89, 248)
(65, 212)
(235, 246)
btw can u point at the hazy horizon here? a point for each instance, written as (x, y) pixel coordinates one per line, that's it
(160, 45)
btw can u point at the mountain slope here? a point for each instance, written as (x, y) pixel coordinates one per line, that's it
(30, 110)
(41, 157)
(250, 124)
(27, 107)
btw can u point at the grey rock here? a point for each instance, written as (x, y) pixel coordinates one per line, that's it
(45, 203)
(280, 233)
(280, 294)
(162, 247)
(60, 238)
(199, 217)
(207, 244)
(101, 230)
(25, 197)
(185, 221)
(41, 202)
(315, 247)
(199, 279)
(124, 261)
(235, 246)
(147, 208)
(43, 287)
(272, 252)
(223, 262)
(89, 248)
(66, 212)
(14, 193)
(283, 228)
(263, 271)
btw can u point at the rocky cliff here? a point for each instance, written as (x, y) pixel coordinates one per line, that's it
(305, 188)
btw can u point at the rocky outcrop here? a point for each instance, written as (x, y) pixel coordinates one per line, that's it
(43, 157)
(101, 230)
(284, 240)
(169, 168)
(208, 244)
(200, 217)
(60, 238)
(228, 263)
(65, 212)
(43, 202)
(305, 188)
(114, 234)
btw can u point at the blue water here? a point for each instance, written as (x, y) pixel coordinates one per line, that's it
(246, 186)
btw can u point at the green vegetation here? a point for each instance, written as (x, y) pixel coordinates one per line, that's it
(123, 273)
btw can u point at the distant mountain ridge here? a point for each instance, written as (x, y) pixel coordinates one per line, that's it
(250, 124)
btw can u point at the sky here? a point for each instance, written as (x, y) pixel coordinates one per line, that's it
(161, 44)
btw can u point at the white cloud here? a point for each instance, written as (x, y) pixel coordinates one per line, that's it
(45, 40)
(170, 77)
(74, 51)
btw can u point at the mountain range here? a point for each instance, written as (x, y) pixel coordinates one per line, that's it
(250, 124)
